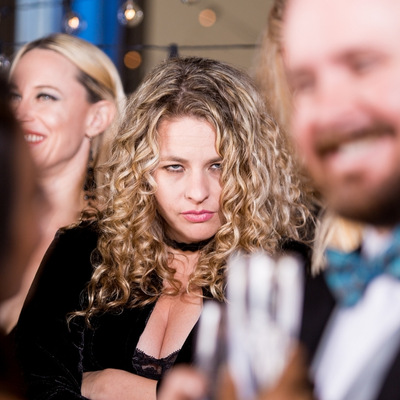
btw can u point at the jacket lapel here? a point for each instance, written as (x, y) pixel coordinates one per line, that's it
(318, 304)
(390, 388)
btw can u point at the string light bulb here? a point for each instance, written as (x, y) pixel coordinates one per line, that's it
(130, 14)
(72, 22)
(4, 63)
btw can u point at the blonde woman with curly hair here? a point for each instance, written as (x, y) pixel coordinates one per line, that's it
(197, 172)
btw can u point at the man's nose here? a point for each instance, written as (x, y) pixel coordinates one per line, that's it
(335, 103)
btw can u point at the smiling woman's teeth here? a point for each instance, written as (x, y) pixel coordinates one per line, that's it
(33, 138)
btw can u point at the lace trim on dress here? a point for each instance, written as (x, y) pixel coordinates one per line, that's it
(151, 367)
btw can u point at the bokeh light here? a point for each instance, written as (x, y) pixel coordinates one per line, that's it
(130, 14)
(132, 60)
(207, 17)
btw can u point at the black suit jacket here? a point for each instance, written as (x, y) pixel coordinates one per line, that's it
(317, 309)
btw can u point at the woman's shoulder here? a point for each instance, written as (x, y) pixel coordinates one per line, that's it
(86, 231)
(70, 251)
(66, 268)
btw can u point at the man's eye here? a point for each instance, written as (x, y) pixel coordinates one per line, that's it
(302, 85)
(363, 65)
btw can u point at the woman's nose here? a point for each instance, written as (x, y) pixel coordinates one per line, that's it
(197, 187)
(23, 110)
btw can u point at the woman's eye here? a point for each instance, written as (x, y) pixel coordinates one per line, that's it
(174, 168)
(14, 97)
(46, 97)
(216, 166)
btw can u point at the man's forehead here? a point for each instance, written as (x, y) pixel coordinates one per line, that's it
(338, 25)
(314, 9)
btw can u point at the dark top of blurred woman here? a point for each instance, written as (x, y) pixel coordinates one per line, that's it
(20, 230)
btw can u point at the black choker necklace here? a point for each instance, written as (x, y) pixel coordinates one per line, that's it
(195, 246)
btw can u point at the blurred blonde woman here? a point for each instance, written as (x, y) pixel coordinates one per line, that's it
(198, 171)
(66, 94)
(269, 72)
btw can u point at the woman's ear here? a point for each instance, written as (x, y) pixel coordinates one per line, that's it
(100, 117)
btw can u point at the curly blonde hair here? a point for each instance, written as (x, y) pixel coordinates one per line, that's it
(261, 200)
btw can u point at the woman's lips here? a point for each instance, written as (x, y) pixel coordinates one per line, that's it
(198, 216)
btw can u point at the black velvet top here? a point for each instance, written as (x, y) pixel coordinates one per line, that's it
(53, 354)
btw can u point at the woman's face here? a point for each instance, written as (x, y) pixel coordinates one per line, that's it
(188, 179)
(52, 107)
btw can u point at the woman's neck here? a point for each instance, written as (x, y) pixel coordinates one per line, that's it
(64, 203)
(187, 247)
(64, 193)
(184, 263)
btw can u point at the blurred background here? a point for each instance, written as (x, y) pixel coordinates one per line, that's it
(137, 34)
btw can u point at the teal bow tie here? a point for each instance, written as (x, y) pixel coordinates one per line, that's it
(348, 274)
